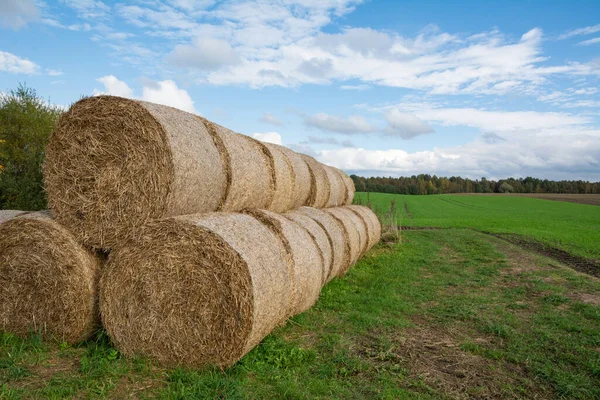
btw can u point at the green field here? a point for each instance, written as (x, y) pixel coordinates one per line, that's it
(569, 226)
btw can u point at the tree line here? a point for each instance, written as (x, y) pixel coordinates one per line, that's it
(427, 184)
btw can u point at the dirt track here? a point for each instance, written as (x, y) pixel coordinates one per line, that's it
(578, 263)
(591, 199)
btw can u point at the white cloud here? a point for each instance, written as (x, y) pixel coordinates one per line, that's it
(89, 9)
(54, 72)
(552, 157)
(16, 13)
(204, 54)
(269, 137)
(493, 121)
(167, 93)
(17, 65)
(354, 124)
(405, 125)
(590, 42)
(268, 118)
(355, 87)
(114, 87)
(588, 30)
(161, 92)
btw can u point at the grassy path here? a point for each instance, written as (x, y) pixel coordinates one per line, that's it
(448, 314)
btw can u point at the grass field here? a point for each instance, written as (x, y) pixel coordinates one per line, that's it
(446, 314)
(569, 226)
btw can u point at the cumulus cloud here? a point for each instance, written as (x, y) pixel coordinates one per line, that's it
(405, 125)
(269, 118)
(17, 13)
(204, 54)
(269, 137)
(167, 93)
(17, 65)
(162, 92)
(354, 124)
(552, 157)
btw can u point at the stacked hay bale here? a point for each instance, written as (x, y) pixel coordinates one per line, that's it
(206, 288)
(47, 280)
(212, 237)
(113, 164)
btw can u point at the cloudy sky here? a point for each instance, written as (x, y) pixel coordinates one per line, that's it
(374, 87)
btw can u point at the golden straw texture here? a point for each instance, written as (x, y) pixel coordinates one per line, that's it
(47, 280)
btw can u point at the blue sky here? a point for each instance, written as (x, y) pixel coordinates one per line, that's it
(388, 88)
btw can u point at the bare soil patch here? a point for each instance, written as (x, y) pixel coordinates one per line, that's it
(591, 199)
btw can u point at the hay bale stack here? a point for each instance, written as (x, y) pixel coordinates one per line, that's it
(284, 179)
(337, 236)
(302, 177)
(338, 192)
(113, 164)
(321, 239)
(47, 280)
(304, 260)
(319, 188)
(196, 290)
(5, 215)
(349, 221)
(372, 222)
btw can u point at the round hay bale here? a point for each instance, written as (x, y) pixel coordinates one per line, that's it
(337, 192)
(113, 164)
(302, 177)
(252, 172)
(350, 189)
(337, 235)
(196, 290)
(319, 190)
(373, 224)
(5, 215)
(321, 239)
(284, 179)
(47, 280)
(349, 220)
(304, 261)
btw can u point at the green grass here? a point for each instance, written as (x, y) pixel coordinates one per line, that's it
(447, 314)
(569, 226)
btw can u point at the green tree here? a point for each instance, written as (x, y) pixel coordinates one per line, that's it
(26, 122)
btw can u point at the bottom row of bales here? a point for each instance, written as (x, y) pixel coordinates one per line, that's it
(185, 291)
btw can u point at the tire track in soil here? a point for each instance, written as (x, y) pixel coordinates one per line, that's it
(578, 263)
(406, 211)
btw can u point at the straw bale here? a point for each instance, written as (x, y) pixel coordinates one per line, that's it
(47, 280)
(348, 220)
(113, 164)
(319, 191)
(196, 290)
(338, 192)
(350, 189)
(252, 181)
(284, 178)
(5, 215)
(305, 263)
(321, 239)
(337, 235)
(373, 224)
(302, 177)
